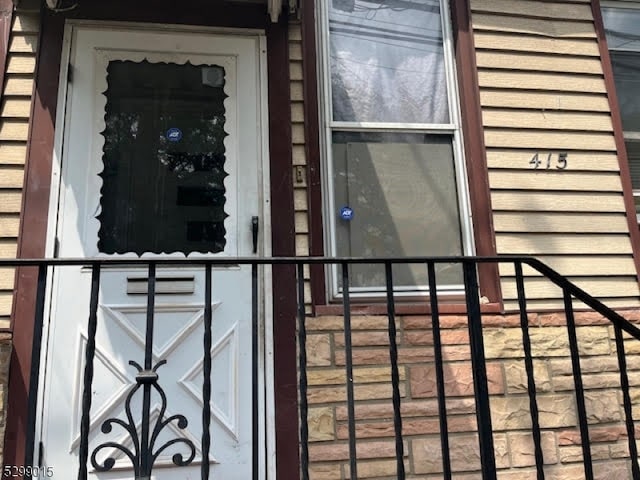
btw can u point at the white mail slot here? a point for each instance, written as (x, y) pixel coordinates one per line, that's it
(164, 285)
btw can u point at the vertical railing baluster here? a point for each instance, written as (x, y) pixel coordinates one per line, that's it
(346, 307)
(34, 377)
(302, 365)
(577, 379)
(142, 453)
(479, 367)
(395, 376)
(439, 365)
(85, 420)
(254, 370)
(145, 453)
(626, 401)
(143, 464)
(206, 372)
(528, 366)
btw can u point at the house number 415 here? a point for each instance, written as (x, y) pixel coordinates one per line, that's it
(558, 159)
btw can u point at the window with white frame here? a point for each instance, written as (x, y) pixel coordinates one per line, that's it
(394, 178)
(622, 27)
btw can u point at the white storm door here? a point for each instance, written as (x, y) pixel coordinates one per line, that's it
(161, 158)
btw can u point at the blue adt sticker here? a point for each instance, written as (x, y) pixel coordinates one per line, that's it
(346, 213)
(174, 134)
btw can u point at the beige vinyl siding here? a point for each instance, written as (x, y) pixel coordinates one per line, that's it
(558, 201)
(14, 130)
(576, 10)
(542, 91)
(300, 193)
(541, 222)
(543, 100)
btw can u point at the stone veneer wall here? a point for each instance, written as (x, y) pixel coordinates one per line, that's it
(507, 384)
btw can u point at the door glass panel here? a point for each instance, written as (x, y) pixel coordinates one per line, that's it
(164, 159)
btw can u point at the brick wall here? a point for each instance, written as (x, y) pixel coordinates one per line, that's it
(507, 385)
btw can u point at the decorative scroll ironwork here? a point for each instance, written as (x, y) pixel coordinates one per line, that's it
(147, 377)
(144, 454)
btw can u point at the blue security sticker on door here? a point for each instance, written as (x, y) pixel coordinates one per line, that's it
(174, 134)
(346, 213)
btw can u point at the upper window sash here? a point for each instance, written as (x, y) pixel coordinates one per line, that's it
(387, 65)
(621, 22)
(622, 27)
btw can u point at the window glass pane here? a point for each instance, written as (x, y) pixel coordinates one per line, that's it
(401, 189)
(163, 178)
(387, 61)
(621, 27)
(633, 155)
(626, 73)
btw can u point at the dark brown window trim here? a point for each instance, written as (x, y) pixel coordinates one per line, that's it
(405, 309)
(33, 227)
(473, 133)
(475, 151)
(616, 120)
(312, 149)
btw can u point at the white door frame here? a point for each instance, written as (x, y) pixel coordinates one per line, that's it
(266, 397)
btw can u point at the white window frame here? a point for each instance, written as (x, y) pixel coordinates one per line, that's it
(328, 126)
(627, 135)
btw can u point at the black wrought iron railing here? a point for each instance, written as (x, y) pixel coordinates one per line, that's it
(144, 445)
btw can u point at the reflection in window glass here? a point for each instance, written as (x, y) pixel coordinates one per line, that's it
(163, 177)
(626, 73)
(388, 78)
(402, 191)
(387, 61)
(621, 28)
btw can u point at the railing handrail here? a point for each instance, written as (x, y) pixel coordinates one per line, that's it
(555, 277)
(274, 260)
(564, 283)
(469, 265)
